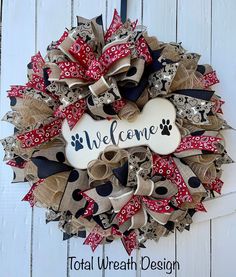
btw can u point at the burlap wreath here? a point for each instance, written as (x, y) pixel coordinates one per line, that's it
(132, 194)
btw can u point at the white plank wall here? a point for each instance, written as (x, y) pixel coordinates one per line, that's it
(199, 24)
(29, 247)
(48, 28)
(15, 218)
(160, 18)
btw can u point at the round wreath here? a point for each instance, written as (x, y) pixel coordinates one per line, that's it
(133, 194)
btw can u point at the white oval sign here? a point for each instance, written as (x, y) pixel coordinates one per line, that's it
(154, 127)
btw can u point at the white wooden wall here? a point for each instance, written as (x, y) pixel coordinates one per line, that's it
(28, 247)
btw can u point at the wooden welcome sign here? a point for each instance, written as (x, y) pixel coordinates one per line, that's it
(154, 127)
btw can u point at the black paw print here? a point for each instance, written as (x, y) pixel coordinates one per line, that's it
(77, 142)
(165, 127)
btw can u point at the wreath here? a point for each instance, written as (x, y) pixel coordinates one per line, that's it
(128, 193)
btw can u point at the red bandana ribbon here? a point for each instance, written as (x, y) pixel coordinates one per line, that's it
(135, 204)
(129, 209)
(210, 79)
(216, 185)
(89, 67)
(130, 242)
(73, 112)
(15, 164)
(29, 197)
(38, 136)
(115, 25)
(16, 91)
(95, 238)
(142, 50)
(217, 103)
(167, 167)
(90, 206)
(198, 143)
(37, 63)
(37, 82)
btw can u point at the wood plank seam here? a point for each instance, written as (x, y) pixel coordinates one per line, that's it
(210, 248)
(176, 20)
(211, 219)
(68, 240)
(138, 251)
(72, 17)
(32, 209)
(176, 40)
(68, 255)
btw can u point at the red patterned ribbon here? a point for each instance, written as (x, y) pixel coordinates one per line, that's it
(130, 242)
(62, 38)
(129, 209)
(37, 63)
(116, 23)
(15, 164)
(217, 105)
(210, 79)
(38, 136)
(30, 196)
(119, 105)
(116, 232)
(200, 207)
(16, 91)
(72, 112)
(142, 50)
(72, 70)
(90, 207)
(82, 52)
(37, 83)
(88, 67)
(135, 204)
(216, 185)
(158, 206)
(134, 24)
(208, 143)
(93, 239)
(167, 167)
(107, 59)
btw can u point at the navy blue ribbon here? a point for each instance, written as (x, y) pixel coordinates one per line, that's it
(123, 10)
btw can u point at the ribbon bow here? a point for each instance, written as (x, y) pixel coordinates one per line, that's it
(88, 67)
